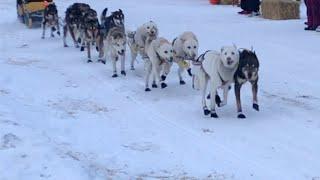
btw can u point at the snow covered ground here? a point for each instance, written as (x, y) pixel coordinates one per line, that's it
(61, 118)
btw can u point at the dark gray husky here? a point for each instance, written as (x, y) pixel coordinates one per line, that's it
(247, 71)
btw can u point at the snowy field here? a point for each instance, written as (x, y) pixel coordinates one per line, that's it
(61, 118)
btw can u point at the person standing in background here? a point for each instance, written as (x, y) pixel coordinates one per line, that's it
(313, 13)
(250, 7)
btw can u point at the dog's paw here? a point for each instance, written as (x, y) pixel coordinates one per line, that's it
(77, 46)
(163, 77)
(163, 85)
(218, 101)
(42, 37)
(154, 85)
(102, 61)
(214, 115)
(97, 48)
(52, 35)
(65, 45)
(241, 116)
(59, 33)
(182, 82)
(123, 73)
(114, 75)
(89, 61)
(147, 90)
(79, 40)
(221, 104)
(132, 68)
(255, 106)
(189, 72)
(206, 112)
(82, 48)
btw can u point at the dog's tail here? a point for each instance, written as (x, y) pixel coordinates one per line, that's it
(103, 15)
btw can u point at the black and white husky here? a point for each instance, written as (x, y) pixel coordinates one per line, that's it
(51, 20)
(247, 71)
(116, 19)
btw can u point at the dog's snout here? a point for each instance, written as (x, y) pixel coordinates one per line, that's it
(171, 59)
(122, 51)
(249, 75)
(229, 59)
(152, 32)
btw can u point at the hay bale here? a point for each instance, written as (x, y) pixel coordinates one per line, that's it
(227, 2)
(280, 9)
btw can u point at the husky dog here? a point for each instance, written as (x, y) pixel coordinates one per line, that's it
(140, 38)
(160, 53)
(247, 71)
(115, 19)
(73, 20)
(91, 32)
(89, 20)
(114, 45)
(185, 47)
(50, 19)
(217, 69)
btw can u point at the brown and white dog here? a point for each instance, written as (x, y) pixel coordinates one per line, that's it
(51, 20)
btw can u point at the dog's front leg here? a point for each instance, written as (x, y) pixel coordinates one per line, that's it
(44, 29)
(65, 32)
(180, 71)
(237, 89)
(255, 95)
(114, 65)
(58, 26)
(156, 70)
(123, 64)
(213, 93)
(148, 68)
(89, 52)
(134, 55)
(204, 86)
(225, 95)
(52, 30)
(73, 37)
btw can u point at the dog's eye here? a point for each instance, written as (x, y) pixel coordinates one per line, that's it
(171, 50)
(189, 47)
(194, 47)
(233, 53)
(166, 52)
(148, 27)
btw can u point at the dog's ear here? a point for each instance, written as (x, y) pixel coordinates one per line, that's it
(222, 49)
(234, 45)
(120, 10)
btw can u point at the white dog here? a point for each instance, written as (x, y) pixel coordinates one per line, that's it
(114, 45)
(217, 69)
(185, 47)
(160, 55)
(139, 38)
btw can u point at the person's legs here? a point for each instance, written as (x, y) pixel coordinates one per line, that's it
(309, 4)
(316, 13)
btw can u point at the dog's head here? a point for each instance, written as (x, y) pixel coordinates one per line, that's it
(118, 41)
(91, 14)
(74, 17)
(249, 64)
(230, 56)
(165, 50)
(190, 47)
(92, 28)
(151, 29)
(51, 10)
(118, 17)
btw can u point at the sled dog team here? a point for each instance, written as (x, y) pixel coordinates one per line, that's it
(211, 70)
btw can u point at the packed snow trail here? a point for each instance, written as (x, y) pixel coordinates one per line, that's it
(63, 118)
